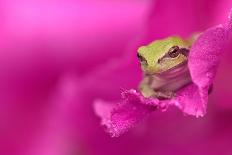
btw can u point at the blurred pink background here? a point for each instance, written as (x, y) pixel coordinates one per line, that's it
(58, 56)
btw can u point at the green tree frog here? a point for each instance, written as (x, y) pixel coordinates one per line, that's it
(164, 64)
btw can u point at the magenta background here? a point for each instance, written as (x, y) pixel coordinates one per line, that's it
(57, 57)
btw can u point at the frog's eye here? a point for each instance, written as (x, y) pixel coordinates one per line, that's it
(141, 58)
(174, 51)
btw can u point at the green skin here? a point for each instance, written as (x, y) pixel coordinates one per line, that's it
(164, 71)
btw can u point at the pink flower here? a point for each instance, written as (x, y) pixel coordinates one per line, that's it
(192, 99)
(59, 57)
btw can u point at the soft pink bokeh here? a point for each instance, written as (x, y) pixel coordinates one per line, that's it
(58, 57)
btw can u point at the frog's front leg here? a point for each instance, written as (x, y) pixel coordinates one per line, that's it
(148, 91)
(145, 88)
(162, 95)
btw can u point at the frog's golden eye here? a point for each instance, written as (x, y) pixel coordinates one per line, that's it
(174, 51)
(141, 58)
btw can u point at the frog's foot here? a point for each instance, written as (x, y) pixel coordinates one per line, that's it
(162, 95)
(147, 93)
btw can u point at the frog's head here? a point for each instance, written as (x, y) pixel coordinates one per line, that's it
(163, 55)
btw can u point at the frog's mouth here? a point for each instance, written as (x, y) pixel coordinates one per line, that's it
(174, 72)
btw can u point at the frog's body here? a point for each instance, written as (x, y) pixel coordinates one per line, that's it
(164, 63)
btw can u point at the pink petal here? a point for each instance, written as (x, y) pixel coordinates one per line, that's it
(204, 59)
(132, 109)
(205, 54)
(190, 102)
